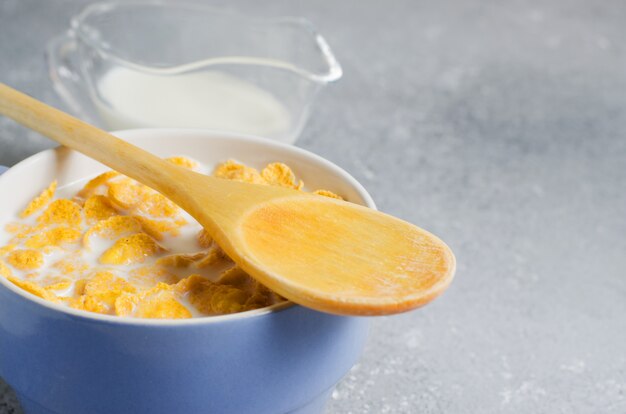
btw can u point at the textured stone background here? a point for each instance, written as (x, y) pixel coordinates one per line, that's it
(498, 125)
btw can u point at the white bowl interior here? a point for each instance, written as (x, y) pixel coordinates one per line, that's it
(25, 180)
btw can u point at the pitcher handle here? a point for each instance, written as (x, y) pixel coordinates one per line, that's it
(63, 69)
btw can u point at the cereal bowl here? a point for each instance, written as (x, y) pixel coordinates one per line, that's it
(276, 360)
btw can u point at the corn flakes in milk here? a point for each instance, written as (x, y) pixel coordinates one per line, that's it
(120, 248)
(97, 208)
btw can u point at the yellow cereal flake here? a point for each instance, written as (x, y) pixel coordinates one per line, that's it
(211, 298)
(21, 232)
(40, 201)
(106, 282)
(18, 228)
(156, 228)
(5, 270)
(79, 286)
(131, 249)
(204, 239)
(25, 259)
(60, 285)
(62, 211)
(214, 255)
(327, 193)
(97, 208)
(180, 260)
(146, 277)
(232, 170)
(156, 205)
(279, 174)
(72, 265)
(106, 287)
(126, 193)
(54, 237)
(89, 304)
(4, 250)
(112, 228)
(92, 186)
(235, 276)
(258, 300)
(31, 276)
(99, 292)
(55, 283)
(34, 289)
(189, 283)
(261, 296)
(132, 196)
(157, 303)
(183, 162)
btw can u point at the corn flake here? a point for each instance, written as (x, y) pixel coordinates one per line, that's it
(106, 282)
(4, 250)
(183, 162)
(156, 205)
(89, 304)
(72, 265)
(180, 260)
(92, 186)
(18, 228)
(211, 298)
(235, 276)
(126, 193)
(257, 301)
(261, 296)
(55, 283)
(156, 228)
(79, 286)
(131, 249)
(132, 196)
(61, 211)
(327, 193)
(25, 259)
(106, 287)
(159, 302)
(34, 289)
(5, 270)
(281, 175)
(214, 255)
(204, 239)
(98, 208)
(146, 277)
(113, 228)
(232, 170)
(54, 237)
(40, 201)
(21, 232)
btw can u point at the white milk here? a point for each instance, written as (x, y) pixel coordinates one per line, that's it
(210, 99)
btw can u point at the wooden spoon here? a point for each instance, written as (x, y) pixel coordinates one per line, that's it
(320, 252)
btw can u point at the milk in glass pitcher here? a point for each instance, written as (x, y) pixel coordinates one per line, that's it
(146, 64)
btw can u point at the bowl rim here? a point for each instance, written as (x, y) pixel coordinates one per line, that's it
(180, 132)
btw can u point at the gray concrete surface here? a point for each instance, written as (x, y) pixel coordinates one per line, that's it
(501, 127)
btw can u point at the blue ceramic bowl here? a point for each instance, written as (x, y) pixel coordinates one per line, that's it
(276, 360)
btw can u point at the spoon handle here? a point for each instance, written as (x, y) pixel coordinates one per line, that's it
(87, 139)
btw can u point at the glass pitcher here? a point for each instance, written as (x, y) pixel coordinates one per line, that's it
(147, 64)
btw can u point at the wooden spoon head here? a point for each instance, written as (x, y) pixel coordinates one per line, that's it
(341, 258)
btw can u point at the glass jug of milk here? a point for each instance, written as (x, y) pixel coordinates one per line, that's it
(131, 65)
